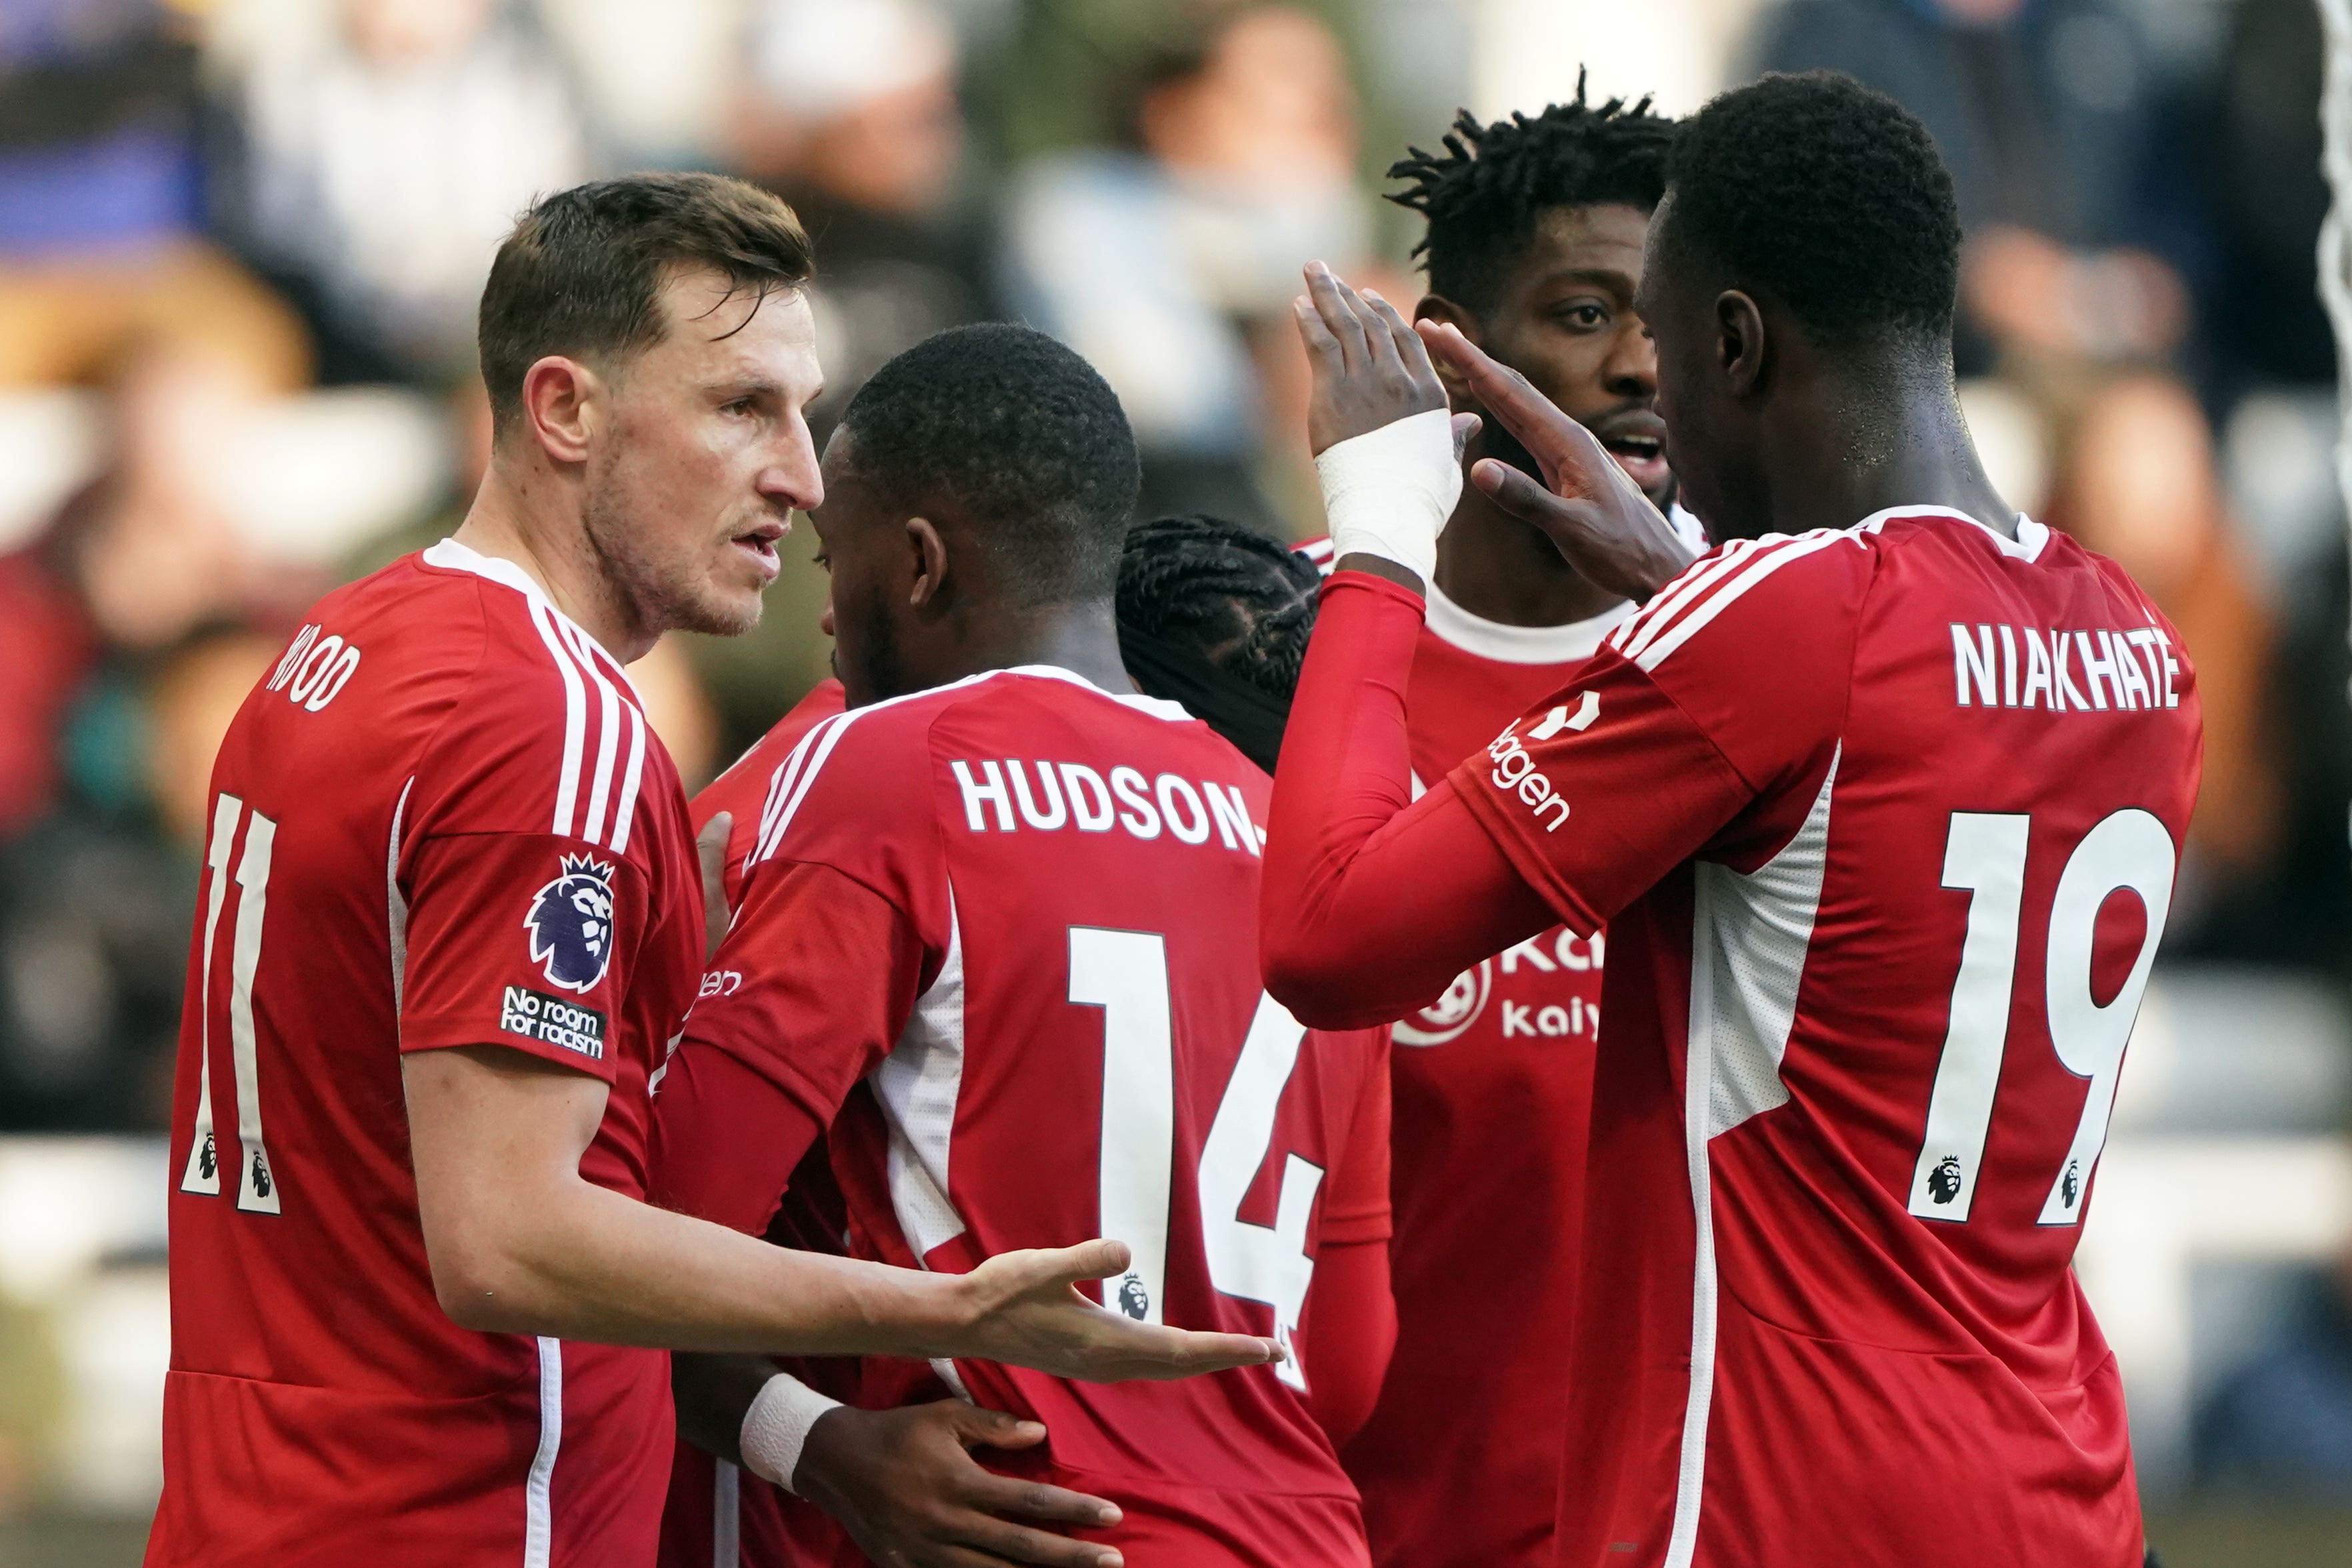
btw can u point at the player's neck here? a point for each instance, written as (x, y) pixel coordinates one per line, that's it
(1851, 452)
(1082, 638)
(1501, 569)
(551, 546)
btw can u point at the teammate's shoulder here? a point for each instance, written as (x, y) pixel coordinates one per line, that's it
(1774, 592)
(747, 774)
(857, 765)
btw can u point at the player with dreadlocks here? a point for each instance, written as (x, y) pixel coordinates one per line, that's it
(1533, 249)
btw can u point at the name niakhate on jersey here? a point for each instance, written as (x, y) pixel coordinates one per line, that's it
(2111, 668)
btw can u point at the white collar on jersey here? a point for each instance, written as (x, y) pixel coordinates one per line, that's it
(452, 556)
(2027, 546)
(1453, 625)
(1157, 707)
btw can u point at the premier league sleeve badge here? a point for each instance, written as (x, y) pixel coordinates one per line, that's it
(571, 925)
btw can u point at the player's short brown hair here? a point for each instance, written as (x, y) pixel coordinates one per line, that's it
(582, 272)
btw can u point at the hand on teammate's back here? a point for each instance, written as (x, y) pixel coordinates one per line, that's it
(1026, 1310)
(904, 1484)
(1587, 505)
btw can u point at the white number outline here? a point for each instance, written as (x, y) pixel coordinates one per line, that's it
(1125, 973)
(1985, 853)
(256, 1191)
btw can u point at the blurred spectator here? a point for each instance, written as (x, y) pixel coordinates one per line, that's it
(2050, 117)
(2283, 1422)
(100, 202)
(96, 900)
(848, 111)
(2263, 180)
(2054, 120)
(383, 147)
(1157, 262)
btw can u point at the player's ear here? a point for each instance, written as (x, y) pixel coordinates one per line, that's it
(556, 396)
(1739, 340)
(928, 554)
(1439, 309)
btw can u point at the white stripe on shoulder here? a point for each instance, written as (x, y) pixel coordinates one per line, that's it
(827, 736)
(818, 744)
(575, 717)
(625, 811)
(1696, 578)
(608, 736)
(780, 784)
(1775, 554)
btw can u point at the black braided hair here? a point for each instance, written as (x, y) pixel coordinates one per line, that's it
(1484, 193)
(1243, 602)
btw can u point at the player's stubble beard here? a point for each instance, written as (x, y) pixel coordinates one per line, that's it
(662, 595)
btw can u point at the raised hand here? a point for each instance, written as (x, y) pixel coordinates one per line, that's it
(1025, 1309)
(1589, 507)
(1388, 456)
(904, 1484)
(1368, 368)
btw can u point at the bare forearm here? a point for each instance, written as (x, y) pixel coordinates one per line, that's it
(578, 1261)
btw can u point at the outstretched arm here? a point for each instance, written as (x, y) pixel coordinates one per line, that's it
(520, 1242)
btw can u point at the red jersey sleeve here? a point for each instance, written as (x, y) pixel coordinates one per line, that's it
(815, 978)
(524, 910)
(1356, 1207)
(1671, 742)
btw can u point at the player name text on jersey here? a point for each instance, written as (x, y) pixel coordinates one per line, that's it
(1989, 672)
(313, 668)
(1072, 794)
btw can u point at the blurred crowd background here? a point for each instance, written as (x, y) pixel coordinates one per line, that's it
(240, 246)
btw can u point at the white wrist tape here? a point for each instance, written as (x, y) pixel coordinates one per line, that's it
(1387, 492)
(777, 1427)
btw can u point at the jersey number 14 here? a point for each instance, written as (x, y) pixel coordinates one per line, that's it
(1125, 974)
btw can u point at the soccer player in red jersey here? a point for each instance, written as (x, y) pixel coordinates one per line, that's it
(1882, 812)
(450, 915)
(998, 934)
(1533, 251)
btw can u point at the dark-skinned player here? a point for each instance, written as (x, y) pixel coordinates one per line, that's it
(1533, 251)
(1882, 802)
(996, 939)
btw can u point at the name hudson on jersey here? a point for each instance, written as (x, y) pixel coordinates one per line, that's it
(1051, 795)
(2014, 667)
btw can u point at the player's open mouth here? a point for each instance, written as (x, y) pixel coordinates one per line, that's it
(1639, 447)
(760, 544)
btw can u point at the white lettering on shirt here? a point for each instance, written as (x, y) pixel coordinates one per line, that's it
(2122, 671)
(1053, 797)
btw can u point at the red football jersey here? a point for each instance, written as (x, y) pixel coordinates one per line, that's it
(1016, 916)
(441, 820)
(716, 1514)
(1886, 917)
(1459, 1465)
